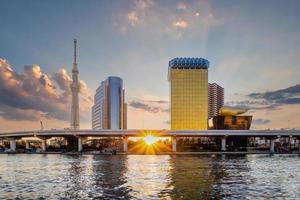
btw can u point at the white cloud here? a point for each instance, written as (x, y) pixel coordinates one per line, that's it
(136, 16)
(151, 18)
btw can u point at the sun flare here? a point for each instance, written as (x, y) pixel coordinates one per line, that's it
(150, 139)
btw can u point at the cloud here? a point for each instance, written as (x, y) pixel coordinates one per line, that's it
(20, 114)
(158, 101)
(181, 6)
(289, 101)
(180, 24)
(145, 107)
(278, 94)
(289, 95)
(260, 121)
(133, 18)
(249, 104)
(269, 100)
(151, 18)
(281, 107)
(148, 111)
(151, 106)
(137, 15)
(32, 94)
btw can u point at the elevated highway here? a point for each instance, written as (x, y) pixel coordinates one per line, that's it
(80, 135)
(162, 133)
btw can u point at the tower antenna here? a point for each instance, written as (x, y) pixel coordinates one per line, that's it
(75, 53)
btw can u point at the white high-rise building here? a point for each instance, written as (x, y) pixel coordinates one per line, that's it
(215, 99)
(110, 110)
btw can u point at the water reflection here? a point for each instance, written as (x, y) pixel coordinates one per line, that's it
(149, 177)
(96, 177)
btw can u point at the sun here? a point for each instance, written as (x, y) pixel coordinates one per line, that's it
(150, 139)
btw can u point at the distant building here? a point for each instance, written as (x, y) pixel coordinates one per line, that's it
(232, 122)
(110, 110)
(215, 99)
(232, 119)
(188, 79)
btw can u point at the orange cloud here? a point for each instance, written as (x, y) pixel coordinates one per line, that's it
(180, 24)
(33, 95)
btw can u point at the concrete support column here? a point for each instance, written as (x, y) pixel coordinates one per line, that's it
(272, 145)
(27, 144)
(290, 142)
(44, 145)
(223, 143)
(299, 145)
(174, 144)
(80, 144)
(125, 143)
(12, 142)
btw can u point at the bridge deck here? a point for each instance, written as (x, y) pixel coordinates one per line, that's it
(161, 133)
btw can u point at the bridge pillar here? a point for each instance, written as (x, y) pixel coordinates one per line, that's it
(44, 145)
(290, 143)
(223, 143)
(272, 145)
(174, 144)
(80, 144)
(27, 145)
(12, 143)
(125, 143)
(299, 145)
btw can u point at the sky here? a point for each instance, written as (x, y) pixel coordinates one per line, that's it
(253, 48)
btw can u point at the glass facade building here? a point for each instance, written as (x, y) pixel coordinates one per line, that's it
(188, 79)
(110, 110)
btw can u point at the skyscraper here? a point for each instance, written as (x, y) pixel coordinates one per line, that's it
(215, 99)
(188, 79)
(110, 110)
(75, 87)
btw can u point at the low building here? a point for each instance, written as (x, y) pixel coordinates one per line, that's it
(232, 119)
(232, 122)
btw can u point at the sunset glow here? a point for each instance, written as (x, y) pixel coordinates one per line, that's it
(150, 140)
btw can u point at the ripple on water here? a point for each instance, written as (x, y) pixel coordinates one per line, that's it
(149, 177)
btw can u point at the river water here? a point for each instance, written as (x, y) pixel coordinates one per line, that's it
(149, 177)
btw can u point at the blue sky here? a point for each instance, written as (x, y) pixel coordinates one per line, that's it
(252, 46)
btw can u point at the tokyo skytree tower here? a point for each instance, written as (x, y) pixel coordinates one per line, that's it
(75, 87)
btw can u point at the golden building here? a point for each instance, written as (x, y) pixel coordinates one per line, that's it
(188, 79)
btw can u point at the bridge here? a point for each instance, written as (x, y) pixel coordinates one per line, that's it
(81, 135)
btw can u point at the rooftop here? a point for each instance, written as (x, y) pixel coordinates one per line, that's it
(187, 63)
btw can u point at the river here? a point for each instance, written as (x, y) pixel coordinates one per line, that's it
(37, 176)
